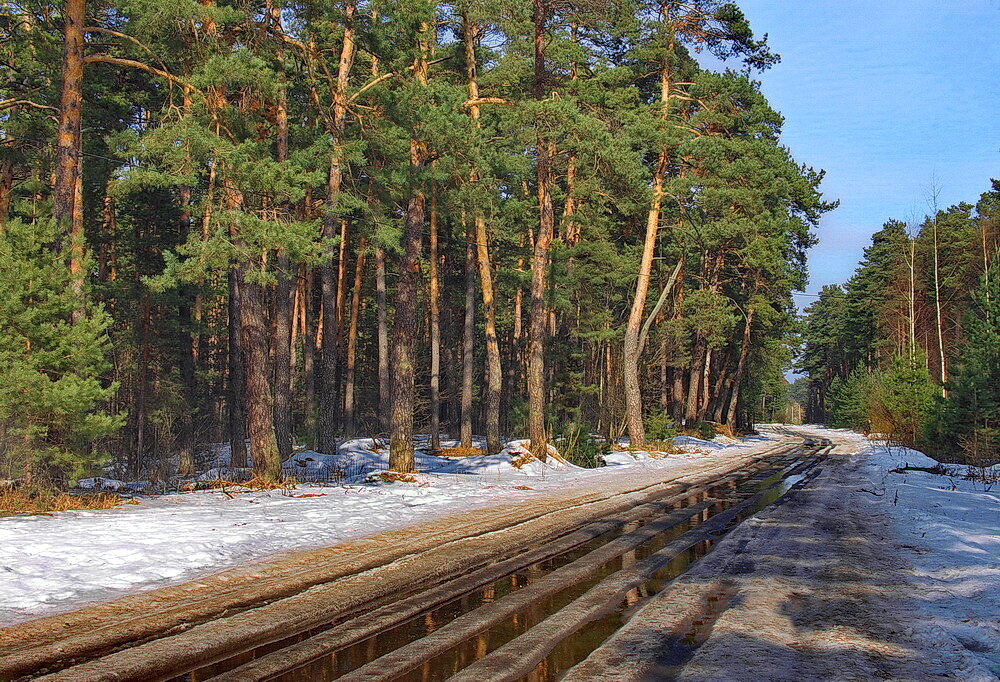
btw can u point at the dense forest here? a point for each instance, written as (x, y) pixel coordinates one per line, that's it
(277, 223)
(910, 345)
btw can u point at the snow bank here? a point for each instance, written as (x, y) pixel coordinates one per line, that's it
(951, 525)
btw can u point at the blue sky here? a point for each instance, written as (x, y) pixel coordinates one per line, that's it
(892, 98)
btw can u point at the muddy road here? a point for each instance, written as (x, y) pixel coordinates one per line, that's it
(523, 591)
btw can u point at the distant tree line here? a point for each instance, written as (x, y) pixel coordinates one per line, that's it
(282, 222)
(910, 345)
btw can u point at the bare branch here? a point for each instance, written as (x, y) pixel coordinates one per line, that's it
(11, 103)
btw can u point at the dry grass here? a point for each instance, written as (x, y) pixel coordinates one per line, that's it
(461, 451)
(522, 459)
(725, 430)
(395, 477)
(655, 448)
(41, 502)
(663, 447)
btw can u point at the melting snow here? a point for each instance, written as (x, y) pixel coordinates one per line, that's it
(58, 562)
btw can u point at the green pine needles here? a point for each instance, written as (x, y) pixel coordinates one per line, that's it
(54, 349)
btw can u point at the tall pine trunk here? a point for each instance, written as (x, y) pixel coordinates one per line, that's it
(67, 207)
(328, 417)
(254, 335)
(435, 323)
(237, 392)
(404, 327)
(631, 346)
(284, 296)
(468, 342)
(494, 370)
(309, 341)
(538, 325)
(352, 340)
(382, 334)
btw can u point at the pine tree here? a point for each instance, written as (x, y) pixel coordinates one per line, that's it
(53, 353)
(971, 414)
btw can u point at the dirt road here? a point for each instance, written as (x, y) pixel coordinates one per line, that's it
(162, 633)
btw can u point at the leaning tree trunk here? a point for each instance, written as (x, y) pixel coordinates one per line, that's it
(633, 328)
(632, 345)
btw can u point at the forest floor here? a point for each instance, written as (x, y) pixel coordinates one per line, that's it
(864, 573)
(58, 562)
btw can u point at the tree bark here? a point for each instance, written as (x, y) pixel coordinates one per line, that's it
(435, 323)
(328, 421)
(237, 393)
(67, 207)
(6, 188)
(740, 370)
(538, 326)
(187, 342)
(309, 355)
(494, 371)
(468, 341)
(404, 326)
(694, 379)
(284, 294)
(631, 347)
(381, 304)
(283, 305)
(254, 335)
(352, 339)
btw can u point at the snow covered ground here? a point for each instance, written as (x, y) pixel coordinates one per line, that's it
(950, 528)
(54, 563)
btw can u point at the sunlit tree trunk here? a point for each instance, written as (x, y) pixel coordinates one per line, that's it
(538, 325)
(435, 323)
(67, 207)
(494, 370)
(328, 421)
(382, 334)
(631, 346)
